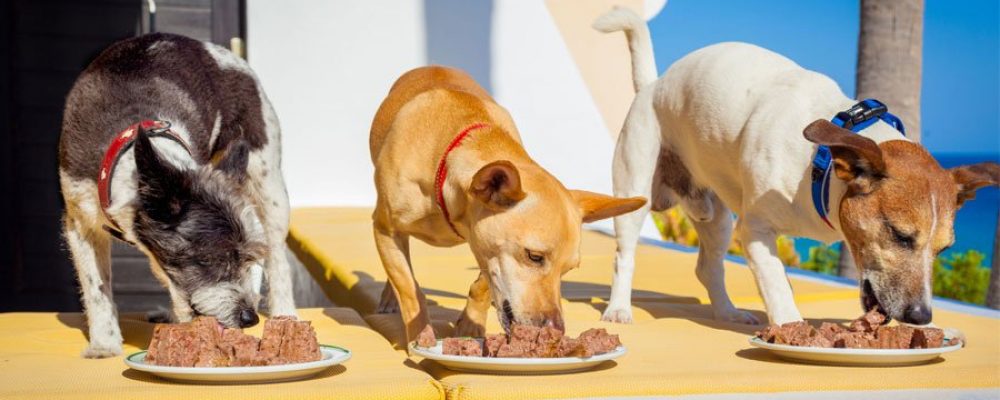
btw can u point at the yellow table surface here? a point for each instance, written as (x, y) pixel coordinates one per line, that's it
(675, 347)
(40, 359)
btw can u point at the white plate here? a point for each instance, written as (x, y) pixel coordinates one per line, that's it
(498, 365)
(841, 356)
(332, 355)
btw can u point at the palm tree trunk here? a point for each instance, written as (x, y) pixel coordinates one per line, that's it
(993, 291)
(890, 47)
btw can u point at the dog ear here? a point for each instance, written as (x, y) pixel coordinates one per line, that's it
(234, 161)
(857, 160)
(972, 177)
(596, 206)
(161, 185)
(498, 185)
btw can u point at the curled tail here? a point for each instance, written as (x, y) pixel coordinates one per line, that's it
(639, 42)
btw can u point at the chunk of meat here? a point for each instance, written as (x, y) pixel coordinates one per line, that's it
(868, 322)
(866, 332)
(926, 338)
(462, 347)
(203, 342)
(538, 342)
(426, 337)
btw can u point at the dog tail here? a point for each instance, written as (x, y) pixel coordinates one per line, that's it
(639, 42)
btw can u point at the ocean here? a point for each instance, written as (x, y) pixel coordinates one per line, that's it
(975, 223)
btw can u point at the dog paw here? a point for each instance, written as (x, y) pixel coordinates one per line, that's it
(465, 327)
(617, 315)
(101, 351)
(737, 316)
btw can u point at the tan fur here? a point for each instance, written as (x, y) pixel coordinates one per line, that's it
(532, 214)
(897, 190)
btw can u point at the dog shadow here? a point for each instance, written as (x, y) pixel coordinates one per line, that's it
(390, 325)
(660, 306)
(136, 330)
(144, 377)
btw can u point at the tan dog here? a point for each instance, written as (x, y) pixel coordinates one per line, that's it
(450, 169)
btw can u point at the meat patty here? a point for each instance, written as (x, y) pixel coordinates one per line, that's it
(204, 343)
(866, 332)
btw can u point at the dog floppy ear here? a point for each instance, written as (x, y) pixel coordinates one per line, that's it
(498, 185)
(857, 160)
(235, 159)
(972, 177)
(596, 206)
(160, 184)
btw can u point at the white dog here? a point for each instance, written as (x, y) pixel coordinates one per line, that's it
(722, 131)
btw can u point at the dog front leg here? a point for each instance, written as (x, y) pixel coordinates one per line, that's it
(281, 300)
(91, 250)
(272, 201)
(472, 322)
(759, 245)
(394, 250)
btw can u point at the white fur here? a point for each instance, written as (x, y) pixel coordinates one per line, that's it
(740, 137)
(268, 192)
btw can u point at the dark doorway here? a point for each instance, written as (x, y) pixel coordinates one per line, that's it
(44, 44)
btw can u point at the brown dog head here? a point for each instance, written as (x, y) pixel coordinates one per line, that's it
(525, 234)
(897, 214)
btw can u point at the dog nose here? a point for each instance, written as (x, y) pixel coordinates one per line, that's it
(248, 318)
(917, 315)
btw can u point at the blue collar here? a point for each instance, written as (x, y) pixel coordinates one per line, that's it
(856, 118)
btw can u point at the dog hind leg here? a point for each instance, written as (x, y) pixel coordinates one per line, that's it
(634, 165)
(714, 236)
(91, 250)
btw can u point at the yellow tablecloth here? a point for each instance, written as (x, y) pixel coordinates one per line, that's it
(675, 347)
(40, 359)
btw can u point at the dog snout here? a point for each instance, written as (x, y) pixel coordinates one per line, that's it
(918, 314)
(555, 322)
(248, 318)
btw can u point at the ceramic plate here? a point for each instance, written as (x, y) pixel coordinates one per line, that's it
(497, 365)
(332, 355)
(871, 357)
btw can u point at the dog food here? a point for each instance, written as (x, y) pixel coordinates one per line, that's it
(204, 342)
(462, 347)
(866, 332)
(426, 337)
(533, 342)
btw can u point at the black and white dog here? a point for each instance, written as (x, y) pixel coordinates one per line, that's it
(170, 144)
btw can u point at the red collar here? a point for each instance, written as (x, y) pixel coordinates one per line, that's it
(122, 142)
(442, 173)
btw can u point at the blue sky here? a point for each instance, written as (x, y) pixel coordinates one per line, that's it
(961, 76)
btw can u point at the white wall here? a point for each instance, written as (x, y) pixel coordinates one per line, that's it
(327, 65)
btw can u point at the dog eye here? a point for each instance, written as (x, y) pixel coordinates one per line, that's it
(535, 257)
(907, 241)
